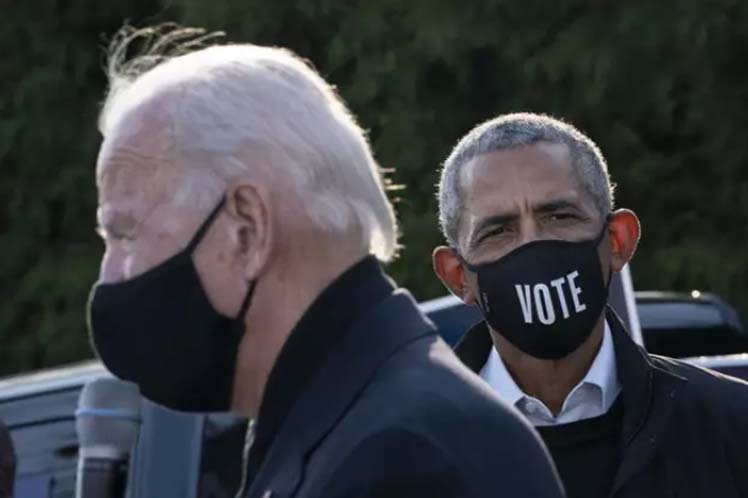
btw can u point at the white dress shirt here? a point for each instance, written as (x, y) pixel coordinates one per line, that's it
(592, 397)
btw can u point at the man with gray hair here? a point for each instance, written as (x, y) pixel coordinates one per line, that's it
(244, 221)
(526, 206)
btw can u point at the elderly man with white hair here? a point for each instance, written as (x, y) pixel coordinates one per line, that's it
(526, 205)
(244, 220)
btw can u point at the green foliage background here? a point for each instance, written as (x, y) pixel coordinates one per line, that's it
(661, 86)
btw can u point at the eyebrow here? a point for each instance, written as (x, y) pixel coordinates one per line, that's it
(499, 219)
(555, 205)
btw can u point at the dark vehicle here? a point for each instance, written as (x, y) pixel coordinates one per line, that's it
(177, 455)
(686, 325)
(199, 456)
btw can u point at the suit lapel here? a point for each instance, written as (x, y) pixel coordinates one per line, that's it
(386, 327)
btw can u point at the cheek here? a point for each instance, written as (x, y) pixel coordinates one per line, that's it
(141, 257)
(224, 289)
(471, 280)
(126, 260)
(607, 262)
(471, 285)
(492, 250)
(123, 261)
(221, 278)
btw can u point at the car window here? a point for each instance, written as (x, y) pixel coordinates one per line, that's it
(42, 427)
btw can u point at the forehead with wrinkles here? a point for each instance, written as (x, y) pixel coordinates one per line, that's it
(137, 155)
(521, 183)
(135, 171)
(517, 179)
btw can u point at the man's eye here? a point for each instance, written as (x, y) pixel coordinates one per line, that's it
(493, 232)
(562, 217)
(107, 235)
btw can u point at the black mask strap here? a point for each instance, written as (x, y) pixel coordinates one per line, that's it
(462, 260)
(604, 230)
(205, 226)
(597, 243)
(247, 301)
(199, 236)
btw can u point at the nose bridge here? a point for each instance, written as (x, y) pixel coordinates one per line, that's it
(529, 230)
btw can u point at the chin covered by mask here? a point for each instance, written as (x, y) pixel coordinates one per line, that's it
(544, 297)
(160, 331)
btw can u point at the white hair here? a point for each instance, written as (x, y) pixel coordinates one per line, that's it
(516, 130)
(232, 98)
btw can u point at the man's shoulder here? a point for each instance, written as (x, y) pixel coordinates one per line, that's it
(396, 461)
(432, 446)
(428, 372)
(705, 386)
(424, 419)
(426, 389)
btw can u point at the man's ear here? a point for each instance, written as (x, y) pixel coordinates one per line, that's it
(450, 271)
(624, 230)
(249, 208)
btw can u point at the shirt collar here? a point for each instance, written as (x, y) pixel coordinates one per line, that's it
(603, 373)
(495, 373)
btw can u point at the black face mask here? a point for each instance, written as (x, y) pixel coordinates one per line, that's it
(160, 331)
(544, 297)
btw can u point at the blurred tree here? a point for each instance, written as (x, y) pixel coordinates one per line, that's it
(659, 85)
(51, 81)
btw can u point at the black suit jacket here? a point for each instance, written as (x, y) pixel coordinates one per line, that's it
(393, 413)
(685, 429)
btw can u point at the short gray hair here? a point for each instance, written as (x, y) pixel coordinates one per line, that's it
(515, 130)
(231, 98)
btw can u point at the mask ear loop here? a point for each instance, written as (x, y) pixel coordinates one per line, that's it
(462, 260)
(205, 226)
(199, 236)
(604, 230)
(247, 300)
(597, 243)
(483, 306)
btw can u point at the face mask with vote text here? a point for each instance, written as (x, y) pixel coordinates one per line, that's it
(544, 297)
